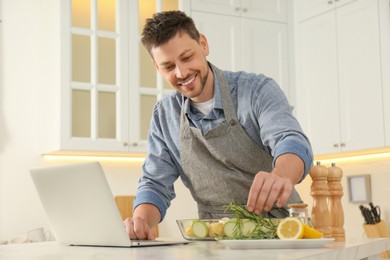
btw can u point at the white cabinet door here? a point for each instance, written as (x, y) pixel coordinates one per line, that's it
(94, 77)
(275, 10)
(340, 88)
(384, 14)
(253, 45)
(226, 7)
(223, 34)
(265, 50)
(360, 81)
(109, 85)
(317, 99)
(309, 8)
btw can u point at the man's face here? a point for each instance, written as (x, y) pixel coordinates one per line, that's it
(182, 62)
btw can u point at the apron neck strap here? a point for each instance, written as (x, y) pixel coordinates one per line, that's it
(227, 103)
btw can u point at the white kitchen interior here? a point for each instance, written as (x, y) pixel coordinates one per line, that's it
(331, 59)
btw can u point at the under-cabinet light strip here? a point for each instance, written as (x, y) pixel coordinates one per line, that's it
(93, 158)
(354, 158)
(140, 159)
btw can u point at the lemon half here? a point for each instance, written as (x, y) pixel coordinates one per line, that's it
(290, 228)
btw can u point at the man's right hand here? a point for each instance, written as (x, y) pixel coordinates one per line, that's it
(138, 228)
(141, 225)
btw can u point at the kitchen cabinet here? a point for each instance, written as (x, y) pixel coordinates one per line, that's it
(309, 8)
(275, 10)
(109, 85)
(238, 41)
(340, 80)
(384, 13)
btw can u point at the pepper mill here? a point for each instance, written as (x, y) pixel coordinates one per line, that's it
(320, 216)
(335, 207)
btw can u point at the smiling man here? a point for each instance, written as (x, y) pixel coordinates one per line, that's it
(229, 136)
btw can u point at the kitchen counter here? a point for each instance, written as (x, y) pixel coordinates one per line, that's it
(360, 248)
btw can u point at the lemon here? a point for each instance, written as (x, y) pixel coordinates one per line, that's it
(216, 229)
(309, 232)
(290, 228)
(188, 231)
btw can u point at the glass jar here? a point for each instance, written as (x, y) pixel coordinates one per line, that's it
(301, 212)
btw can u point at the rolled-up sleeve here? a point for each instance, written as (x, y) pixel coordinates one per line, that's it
(159, 171)
(279, 129)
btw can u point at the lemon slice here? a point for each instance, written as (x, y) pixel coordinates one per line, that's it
(290, 228)
(188, 231)
(309, 232)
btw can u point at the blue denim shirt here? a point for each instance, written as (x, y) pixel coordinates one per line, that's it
(262, 109)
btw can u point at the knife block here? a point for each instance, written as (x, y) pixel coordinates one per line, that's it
(378, 230)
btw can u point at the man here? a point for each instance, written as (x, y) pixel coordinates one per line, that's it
(230, 136)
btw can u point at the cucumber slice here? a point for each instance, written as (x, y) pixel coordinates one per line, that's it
(248, 226)
(230, 228)
(199, 228)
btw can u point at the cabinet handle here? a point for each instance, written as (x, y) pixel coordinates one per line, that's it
(244, 10)
(330, 2)
(335, 145)
(342, 145)
(134, 144)
(237, 8)
(125, 144)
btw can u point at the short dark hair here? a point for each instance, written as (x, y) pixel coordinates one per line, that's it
(163, 26)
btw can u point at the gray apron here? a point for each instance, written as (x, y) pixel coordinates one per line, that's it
(220, 166)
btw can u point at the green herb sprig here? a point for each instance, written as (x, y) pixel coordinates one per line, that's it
(265, 227)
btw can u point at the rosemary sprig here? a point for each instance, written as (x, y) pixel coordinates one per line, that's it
(265, 227)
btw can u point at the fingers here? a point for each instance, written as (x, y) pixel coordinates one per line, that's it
(266, 189)
(285, 195)
(253, 204)
(129, 224)
(137, 228)
(151, 235)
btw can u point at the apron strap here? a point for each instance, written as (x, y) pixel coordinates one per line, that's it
(228, 107)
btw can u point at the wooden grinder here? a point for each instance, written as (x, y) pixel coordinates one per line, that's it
(319, 191)
(335, 207)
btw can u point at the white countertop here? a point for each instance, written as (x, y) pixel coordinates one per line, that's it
(359, 248)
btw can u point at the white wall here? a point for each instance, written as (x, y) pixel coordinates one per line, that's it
(29, 118)
(29, 126)
(29, 110)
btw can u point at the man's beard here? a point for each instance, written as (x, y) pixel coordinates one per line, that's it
(203, 82)
(204, 79)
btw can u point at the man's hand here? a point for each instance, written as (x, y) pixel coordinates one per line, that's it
(141, 225)
(267, 188)
(137, 228)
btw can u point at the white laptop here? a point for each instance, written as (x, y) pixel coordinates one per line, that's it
(81, 208)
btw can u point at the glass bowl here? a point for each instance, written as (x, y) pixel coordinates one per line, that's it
(185, 223)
